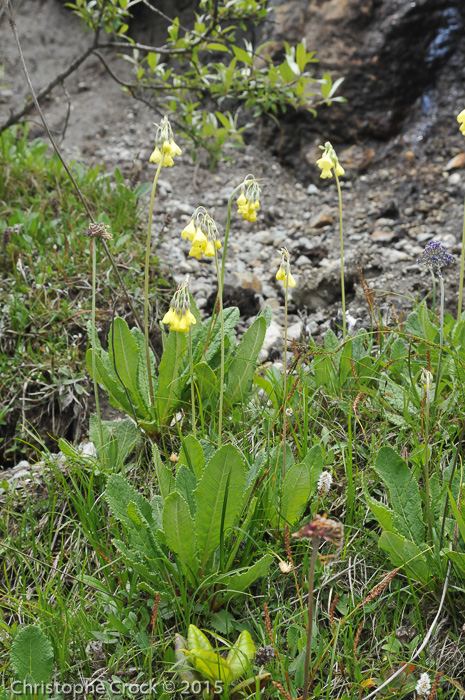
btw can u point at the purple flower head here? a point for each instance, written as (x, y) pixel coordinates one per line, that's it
(435, 256)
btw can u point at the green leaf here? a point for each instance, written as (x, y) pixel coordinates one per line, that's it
(165, 477)
(210, 496)
(382, 514)
(404, 494)
(119, 494)
(242, 55)
(403, 552)
(457, 515)
(241, 581)
(125, 357)
(211, 665)
(240, 655)
(170, 381)
(197, 639)
(457, 558)
(398, 356)
(242, 367)
(185, 486)
(206, 381)
(105, 375)
(192, 455)
(294, 496)
(178, 527)
(31, 655)
(217, 47)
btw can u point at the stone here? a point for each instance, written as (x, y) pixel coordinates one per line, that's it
(273, 339)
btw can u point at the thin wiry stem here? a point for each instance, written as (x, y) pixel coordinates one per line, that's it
(462, 268)
(93, 244)
(311, 580)
(191, 368)
(441, 334)
(146, 281)
(220, 301)
(341, 238)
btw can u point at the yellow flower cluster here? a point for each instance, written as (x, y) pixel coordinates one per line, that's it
(284, 273)
(247, 208)
(461, 121)
(168, 150)
(329, 162)
(200, 242)
(179, 321)
(287, 280)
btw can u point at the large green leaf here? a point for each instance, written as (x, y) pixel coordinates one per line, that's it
(206, 381)
(241, 581)
(382, 514)
(105, 375)
(212, 498)
(164, 475)
(31, 655)
(178, 527)
(240, 654)
(404, 552)
(458, 559)
(230, 319)
(191, 454)
(125, 355)
(197, 639)
(185, 486)
(243, 364)
(170, 382)
(404, 494)
(211, 665)
(293, 497)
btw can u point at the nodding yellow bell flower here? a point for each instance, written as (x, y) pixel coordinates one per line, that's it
(201, 231)
(165, 147)
(284, 272)
(179, 315)
(329, 162)
(461, 121)
(248, 202)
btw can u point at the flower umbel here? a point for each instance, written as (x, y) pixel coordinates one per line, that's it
(98, 230)
(202, 232)
(179, 315)
(248, 201)
(329, 162)
(324, 483)
(435, 256)
(461, 121)
(165, 147)
(284, 273)
(324, 528)
(423, 686)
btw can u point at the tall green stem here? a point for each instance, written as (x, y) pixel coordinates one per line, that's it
(146, 282)
(93, 244)
(341, 238)
(220, 301)
(462, 268)
(441, 334)
(191, 366)
(426, 467)
(311, 580)
(285, 374)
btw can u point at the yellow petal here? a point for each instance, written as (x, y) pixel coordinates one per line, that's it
(218, 243)
(281, 275)
(209, 250)
(168, 317)
(174, 149)
(340, 170)
(290, 281)
(200, 238)
(461, 117)
(189, 231)
(195, 252)
(167, 161)
(241, 200)
(156, 156)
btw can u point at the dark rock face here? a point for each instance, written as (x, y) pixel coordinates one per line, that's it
(398, 58)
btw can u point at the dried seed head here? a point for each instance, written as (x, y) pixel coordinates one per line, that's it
(264, 655)
(98, 230)
(324, 528)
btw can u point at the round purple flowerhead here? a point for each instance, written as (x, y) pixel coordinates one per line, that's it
(435, 256)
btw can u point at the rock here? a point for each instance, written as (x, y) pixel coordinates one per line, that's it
(295, 331)
(247, 280)
(457, 161)
(273, 340)
(382, 236)
(323, 218)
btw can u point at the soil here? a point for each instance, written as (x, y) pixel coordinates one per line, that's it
(398, 194)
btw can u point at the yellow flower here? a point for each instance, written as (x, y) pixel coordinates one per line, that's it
(329, 162)
(189, 231)
(165, 147)
(284, 272)
(326, 165)
(461, 121)
(156, 158)
(248, 202)
(179, 321)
